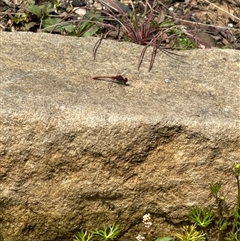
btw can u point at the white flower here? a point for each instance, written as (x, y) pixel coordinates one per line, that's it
(148, 224)
(140, 238)
(146, 217)
(147, 220)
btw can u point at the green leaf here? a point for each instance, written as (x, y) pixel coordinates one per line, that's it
(201, 216)
(34, 9)
(83, 236)
(215, 187)
(69, 28)
(50, 21)
(47, 8)
(89, 25)
(89, 30)
(19, 17)
(108, 232)
(30, 25)
(164, 238)
(41, 11)
(166, 24)
(55, 25)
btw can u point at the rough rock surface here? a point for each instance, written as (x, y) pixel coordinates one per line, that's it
(76, 153)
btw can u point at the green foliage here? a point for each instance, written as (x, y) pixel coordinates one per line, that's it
(215, 188)
(168, 23)
(182, 42)
(236, 169)
(234, 234)
(90, 24)
(202, 217)
(41, 11)
(83, 236)
(179, 41)
(57, 4)
(143, 29)
(189, 233)
(40, 14)
(19, 18)
(221, 224)
(149, 28)
(57, 25)
(40, 17)
(108, 232)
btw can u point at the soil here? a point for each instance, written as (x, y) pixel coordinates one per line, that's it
(208, 23)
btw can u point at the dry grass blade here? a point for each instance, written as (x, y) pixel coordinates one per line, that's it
(142, 56)
(153, 55)
(223, 10)
(154, 52)
(96, 46)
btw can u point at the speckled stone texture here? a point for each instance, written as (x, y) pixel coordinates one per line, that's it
(77, 153)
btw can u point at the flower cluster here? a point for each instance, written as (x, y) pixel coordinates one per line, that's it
(140, 238)
(147, 224)
(147, 220)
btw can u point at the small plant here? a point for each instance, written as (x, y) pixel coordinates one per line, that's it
(106, 234)
(143, 29)
(39, 16)
(180, 41)
(83, 236)
(202, 217)
(89, 25)
(222, 219)
(39, 12)
(189, 233)
(19, 18)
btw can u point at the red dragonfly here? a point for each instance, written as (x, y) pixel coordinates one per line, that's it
(118, 79)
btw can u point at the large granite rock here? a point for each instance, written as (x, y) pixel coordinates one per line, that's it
(77, 153)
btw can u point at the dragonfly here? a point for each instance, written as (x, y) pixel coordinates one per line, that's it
(118, 79)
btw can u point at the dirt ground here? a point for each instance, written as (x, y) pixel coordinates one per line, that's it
(213, 23)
